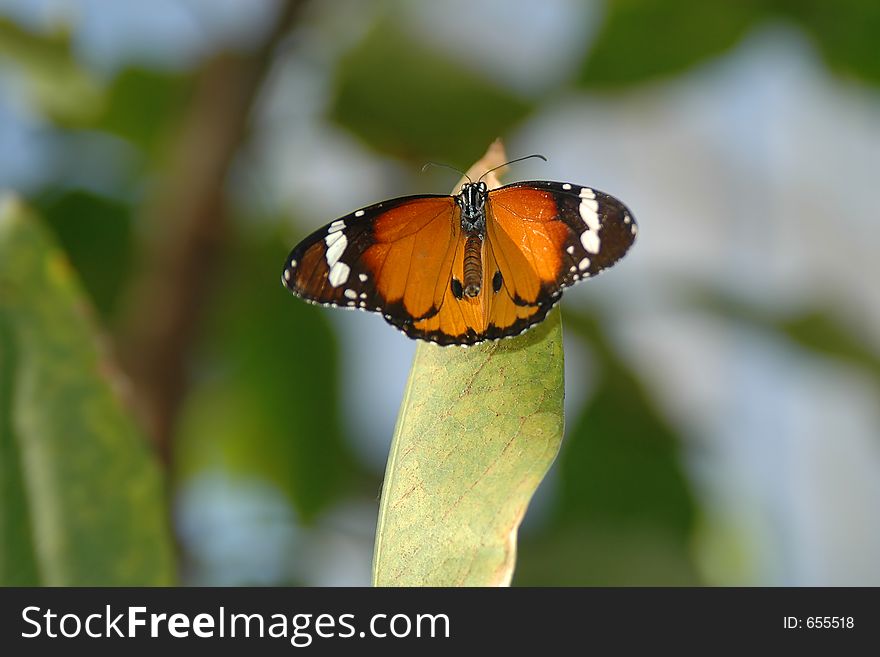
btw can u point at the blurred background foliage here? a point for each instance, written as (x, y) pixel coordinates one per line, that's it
(175, 152)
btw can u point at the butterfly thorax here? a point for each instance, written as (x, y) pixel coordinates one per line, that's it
(472, 202)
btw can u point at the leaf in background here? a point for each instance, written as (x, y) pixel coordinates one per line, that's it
(621, 466)
(62, 89)
(624, 499)
(818, 329)
(845, 31)
(142, 104)
(96, 234)
(579, 555)
(411, 102)
(267, 399)
(641, 40)
(822, 332)
(92, 490)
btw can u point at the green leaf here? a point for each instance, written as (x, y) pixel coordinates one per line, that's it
(18, 566)
(641, 40)
(267, 404)
(88, 504)
(408, 101)
(621, 465)
(56, 83)
(142, 104)
(590, 555)
(845, 32)
(478, 430)
(96, 234)
(819, 329)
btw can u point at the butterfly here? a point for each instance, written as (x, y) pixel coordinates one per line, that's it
(458, 270)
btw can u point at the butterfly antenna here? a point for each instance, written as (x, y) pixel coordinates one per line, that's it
(446, 166)
(519, 159)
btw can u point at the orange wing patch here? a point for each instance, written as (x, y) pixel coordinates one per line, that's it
(522, 255)
(412, 254)
(458, 320)
(533, 231)
(507, 303)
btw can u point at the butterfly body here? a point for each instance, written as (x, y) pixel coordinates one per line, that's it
(472, 206)
(457, 270)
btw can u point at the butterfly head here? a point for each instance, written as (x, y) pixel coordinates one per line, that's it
(472, 201)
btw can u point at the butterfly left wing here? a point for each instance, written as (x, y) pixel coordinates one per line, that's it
(542, 237)
(393, 258)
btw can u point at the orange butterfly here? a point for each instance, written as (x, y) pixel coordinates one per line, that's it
(458, 270)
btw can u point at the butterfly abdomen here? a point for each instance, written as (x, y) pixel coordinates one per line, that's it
(473, 265)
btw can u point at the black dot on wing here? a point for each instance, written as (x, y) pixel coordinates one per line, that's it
(497, 281)
(457, 290)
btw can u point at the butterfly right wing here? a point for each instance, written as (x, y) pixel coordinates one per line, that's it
(393, 258)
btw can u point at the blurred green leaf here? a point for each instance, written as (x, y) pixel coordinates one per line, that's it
(411, 102)
(845, 32)
(818, 329)
(579, 555)
(641, 40)
(266, 402)
(621, 464)
(62, 89)
(92, 490)
(478, 430)
(96, 234)
(142, 104)
(18, 565)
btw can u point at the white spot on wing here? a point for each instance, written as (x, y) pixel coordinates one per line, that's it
(584, 264)
(338, 273)
(363, 277)
(589, 213)
(336, 226)
(286, 274)
(566, 186)
(350, 294)
(336, 243)
(626, 219)
(359, 213)
(570, 250)
(588, 193)
(590, 240)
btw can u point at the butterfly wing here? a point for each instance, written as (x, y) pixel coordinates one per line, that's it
(393, 258)
(542, 237)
